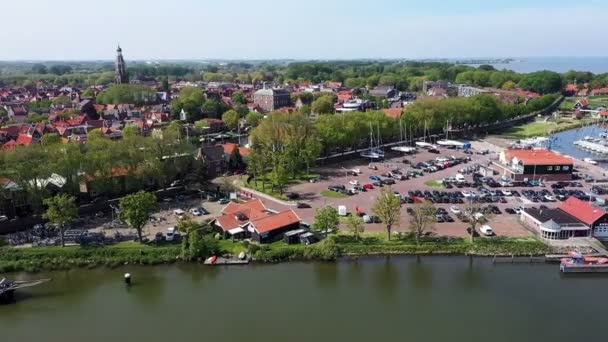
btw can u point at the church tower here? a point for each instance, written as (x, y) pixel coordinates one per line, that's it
(121, 68)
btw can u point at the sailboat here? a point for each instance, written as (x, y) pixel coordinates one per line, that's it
(374, 151)
(423, 143)
(403, 135)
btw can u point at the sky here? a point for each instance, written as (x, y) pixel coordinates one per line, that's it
(301, 29)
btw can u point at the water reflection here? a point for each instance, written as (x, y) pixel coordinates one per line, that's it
(420, 274)
(387, 278)
(326, 274)
(147, 288)
(470, 278)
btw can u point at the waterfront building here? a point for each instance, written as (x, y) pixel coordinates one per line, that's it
(554, 224)
(253, 220)
(593, 217)
(536, 164)
(573, 218)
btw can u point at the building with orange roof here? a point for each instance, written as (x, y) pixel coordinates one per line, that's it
(535, 164)
(253, 220)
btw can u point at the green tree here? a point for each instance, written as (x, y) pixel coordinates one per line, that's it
(323, 105)
(239, 98)
(165, 84)
(235, 163)
(231, 119)
(50, 139)
(61, 211)
(213, 108)
(62, 100)
(89, 92)
(388, 209)
(422, 220)
(355, 225)
(326, 219)
(254, 118)
(508, 85)
(135, 210)
(39, 69)
(543, 82)
(127, 93)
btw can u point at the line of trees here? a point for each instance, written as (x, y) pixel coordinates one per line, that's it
(108, 167)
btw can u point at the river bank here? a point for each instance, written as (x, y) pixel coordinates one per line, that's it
(332, 248)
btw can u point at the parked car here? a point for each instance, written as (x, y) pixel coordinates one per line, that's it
(360, 188)
(3, 218)
(388, 181)
(293, 195)
(195, 211)
(368, 186)
(354, 182)
(224, 201)
(455, 209)
(375, 178)
(486, 230)
(170, 233)
(302, 205)
(178, 212)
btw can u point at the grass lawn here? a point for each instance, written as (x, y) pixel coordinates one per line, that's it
(434, 183)
(264, 185)
(542, 128)
(332, 194)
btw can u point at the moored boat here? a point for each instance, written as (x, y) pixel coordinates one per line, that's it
(578, 263)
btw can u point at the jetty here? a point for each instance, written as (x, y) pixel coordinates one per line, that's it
(219, 261)
(8, 287)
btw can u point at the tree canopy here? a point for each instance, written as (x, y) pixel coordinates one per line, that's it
(135, 210)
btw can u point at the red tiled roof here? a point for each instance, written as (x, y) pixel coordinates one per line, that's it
(244, 151)
(251, 210)
(277, 221)
(582, 210)
(233, 208)
(9, 145)
(571, 88)
(538, 157)
(23, 139)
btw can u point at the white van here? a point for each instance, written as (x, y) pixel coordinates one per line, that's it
(178, 212)
(170, 233)
(486, 230)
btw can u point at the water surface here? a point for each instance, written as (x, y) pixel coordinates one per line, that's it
(375, 299)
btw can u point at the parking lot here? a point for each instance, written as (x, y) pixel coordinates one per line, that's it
(489, 191)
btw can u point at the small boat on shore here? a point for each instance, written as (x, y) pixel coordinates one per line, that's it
(590, 161)
(217, 261)
(578, 263)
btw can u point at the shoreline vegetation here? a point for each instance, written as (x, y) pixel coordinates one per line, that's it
(544, 128)
(330, 249)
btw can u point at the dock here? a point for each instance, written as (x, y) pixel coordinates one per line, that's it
(226, 261)
(8, 287)
(582, 268)
(518, 260)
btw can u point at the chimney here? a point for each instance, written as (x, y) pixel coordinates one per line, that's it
(264, 85)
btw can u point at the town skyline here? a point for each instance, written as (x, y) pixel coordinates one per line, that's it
(317, 30)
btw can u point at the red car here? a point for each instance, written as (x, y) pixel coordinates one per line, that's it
(368, 186)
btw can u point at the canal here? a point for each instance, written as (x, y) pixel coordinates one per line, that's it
(372, 299)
